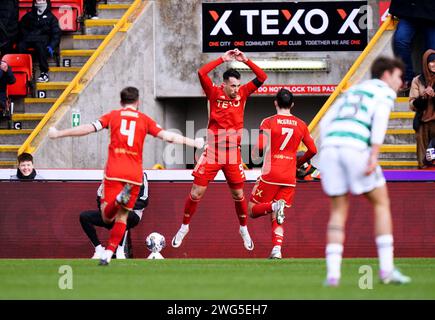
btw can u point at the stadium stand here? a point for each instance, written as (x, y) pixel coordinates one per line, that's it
(398, 151)
(68, 12)
(78, 44)
(21, 65)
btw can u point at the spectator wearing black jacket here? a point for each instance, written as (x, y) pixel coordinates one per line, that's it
(6, 77)
(8, 25)
(416, 16)
(39, 29)
(91, 9)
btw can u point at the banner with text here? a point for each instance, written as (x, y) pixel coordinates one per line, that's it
(285, 26)
(297, 89)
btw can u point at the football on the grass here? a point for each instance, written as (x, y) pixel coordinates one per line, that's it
(155, 242)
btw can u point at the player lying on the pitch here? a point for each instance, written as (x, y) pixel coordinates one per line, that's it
(91, 218)
(280, 136)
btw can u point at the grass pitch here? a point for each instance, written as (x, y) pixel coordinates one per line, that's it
(201, 279)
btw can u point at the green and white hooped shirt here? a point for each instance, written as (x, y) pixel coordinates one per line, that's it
(359, 117)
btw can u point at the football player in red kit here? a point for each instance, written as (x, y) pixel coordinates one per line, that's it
(280, 136)
(226, 104)
(123, 171)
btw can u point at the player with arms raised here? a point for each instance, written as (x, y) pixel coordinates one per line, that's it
(123, 171)
(280, 136)
(226, 110)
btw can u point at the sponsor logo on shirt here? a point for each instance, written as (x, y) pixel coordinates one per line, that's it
(225, 104)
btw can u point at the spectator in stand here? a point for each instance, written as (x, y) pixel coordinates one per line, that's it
(6, 77)
(8, 25)
(25, 170)
(422, 101)
(415, 16)
(430, 153)
(91, 9)
(39, 29)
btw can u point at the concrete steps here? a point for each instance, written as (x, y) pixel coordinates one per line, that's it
(88, 41)
(14, 137)
(76, 57)
(8, 152)
(36, 105)
(399, 149)
(100, 26)
(75, 50)
(112, 10)
(51, 89)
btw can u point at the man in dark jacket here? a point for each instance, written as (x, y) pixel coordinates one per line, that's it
(8, 25)
(6, 77)
(39, 29)
(415, 16)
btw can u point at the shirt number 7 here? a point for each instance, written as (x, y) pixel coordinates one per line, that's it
(289, 133)
(128, 132)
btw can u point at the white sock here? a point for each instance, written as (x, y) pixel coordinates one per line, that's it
(184, 227)
(385, 252)
(334, 252)
(275, 206)
(124, 240)
(99, 247)
(108, 255)
(244, 228)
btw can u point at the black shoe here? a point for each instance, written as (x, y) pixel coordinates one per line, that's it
(43, 77)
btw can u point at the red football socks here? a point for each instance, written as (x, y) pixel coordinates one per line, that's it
(277, 233)
(241, 210)
(111, 210)
(116, 235)
(261, 209)
(189, 209)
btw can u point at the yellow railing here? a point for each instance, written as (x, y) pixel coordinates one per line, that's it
(344, 82)
(75, 84)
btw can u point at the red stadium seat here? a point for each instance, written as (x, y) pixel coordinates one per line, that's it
(21, 65)
(69, 12)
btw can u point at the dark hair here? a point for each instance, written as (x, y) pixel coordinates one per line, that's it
(284, 98)
(382, 64)
(129, 95)
(25, 157)
(231, 73)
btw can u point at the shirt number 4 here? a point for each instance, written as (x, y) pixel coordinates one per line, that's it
(129, 132)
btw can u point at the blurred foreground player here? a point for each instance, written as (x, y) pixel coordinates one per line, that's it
(92, 218)
(352, 132)
(226, 104)
(123, 171)
(280, 136)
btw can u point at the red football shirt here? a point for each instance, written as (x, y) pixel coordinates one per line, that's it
(225, 114)
(128, 129)
(285, 133)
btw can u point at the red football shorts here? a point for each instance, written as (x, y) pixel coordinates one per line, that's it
(229, 161)
(265, 192)
(111, 188)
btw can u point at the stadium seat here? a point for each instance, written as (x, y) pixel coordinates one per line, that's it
(21, 65)
(70, 13)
